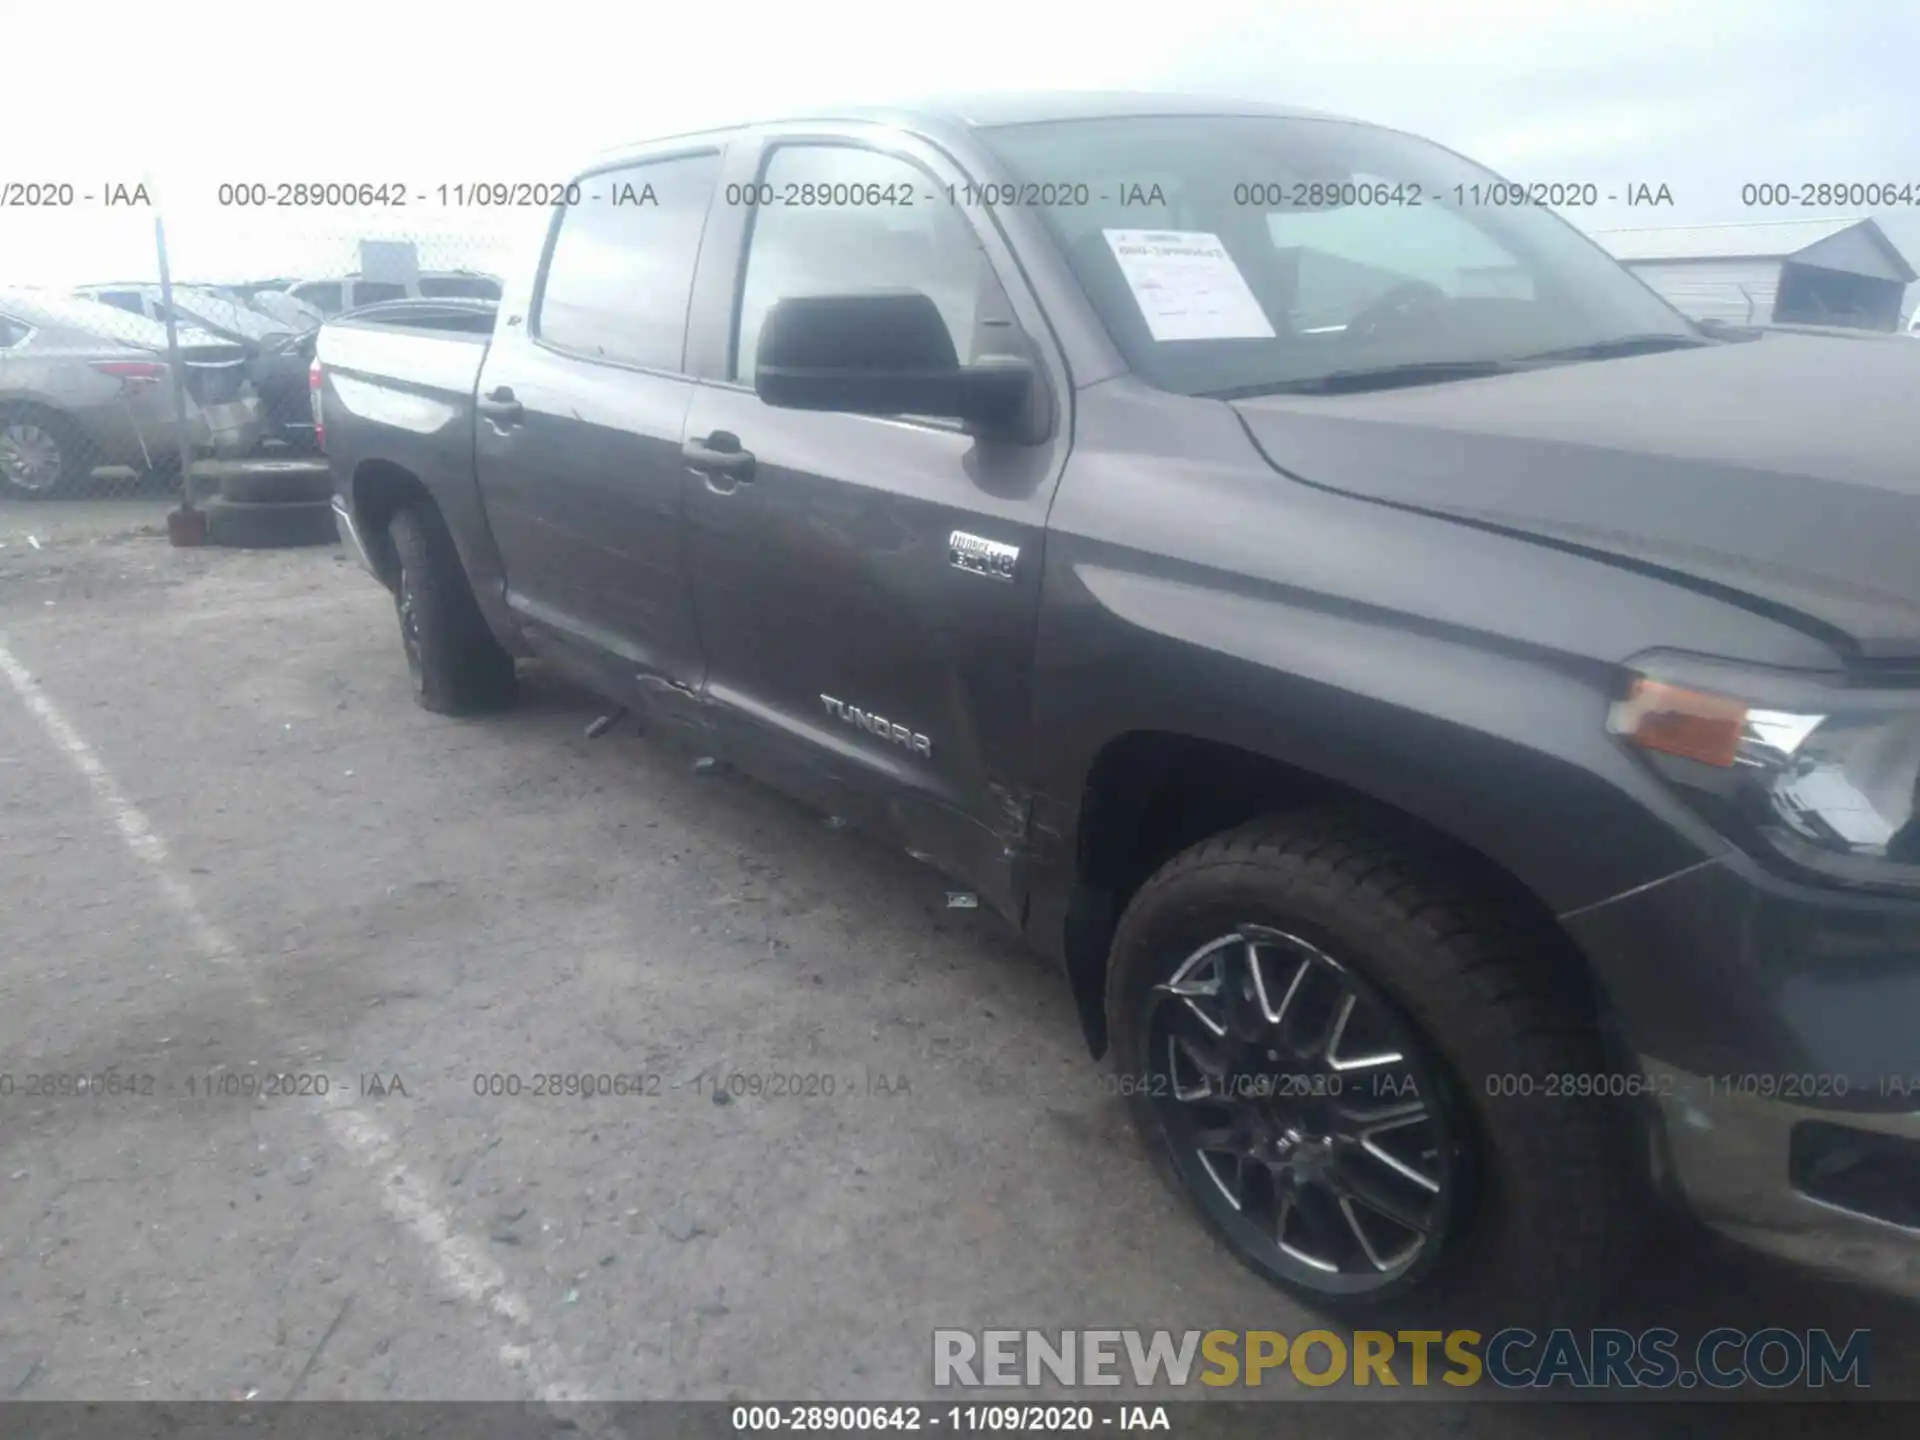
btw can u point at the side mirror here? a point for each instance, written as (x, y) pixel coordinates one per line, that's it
(887, 353)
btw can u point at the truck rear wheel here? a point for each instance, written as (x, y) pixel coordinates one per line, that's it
(1354, 1066)
(457, 666)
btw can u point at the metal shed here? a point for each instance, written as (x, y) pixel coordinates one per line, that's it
(1811, 272)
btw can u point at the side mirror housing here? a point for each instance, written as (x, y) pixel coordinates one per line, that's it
(885, 353)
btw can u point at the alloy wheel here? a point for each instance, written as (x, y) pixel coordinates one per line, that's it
(405, 602)
(1304, 1113)
(30, 456)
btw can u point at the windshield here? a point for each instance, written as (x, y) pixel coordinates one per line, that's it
(1235, 254)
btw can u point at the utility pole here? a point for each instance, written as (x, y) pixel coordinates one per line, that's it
(185, 525)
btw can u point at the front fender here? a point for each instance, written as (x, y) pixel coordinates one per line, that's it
(1458, 676)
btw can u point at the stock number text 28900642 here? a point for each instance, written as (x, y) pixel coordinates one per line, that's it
(392, 194)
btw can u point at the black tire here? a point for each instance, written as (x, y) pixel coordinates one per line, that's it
(278, 482)
(457, 666)
(1539, 1198)
(35, 429)
(270, 527)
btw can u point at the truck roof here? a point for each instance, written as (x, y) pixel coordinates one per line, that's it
(1032, 107)
(986, 111)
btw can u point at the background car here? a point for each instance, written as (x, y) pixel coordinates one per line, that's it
(204, 307)
(334, 294)
(270, 298)
(247, 290)
(278, 305)
(83, 385)
(278, 373)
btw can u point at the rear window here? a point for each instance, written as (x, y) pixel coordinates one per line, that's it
(372, 292)
(621, 273)
(460, 287)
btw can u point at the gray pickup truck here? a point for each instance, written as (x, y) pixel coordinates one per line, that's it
(1454, 721)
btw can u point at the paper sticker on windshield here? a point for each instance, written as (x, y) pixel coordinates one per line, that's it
(1187, 286)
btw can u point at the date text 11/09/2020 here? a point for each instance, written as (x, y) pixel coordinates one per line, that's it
(393, 193)
(398, 194)
(201, 1085)
(1038, 1419)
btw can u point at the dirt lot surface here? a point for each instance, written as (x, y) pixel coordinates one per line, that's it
(232, 849)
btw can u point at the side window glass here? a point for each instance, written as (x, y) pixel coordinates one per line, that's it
(836, 220)
(621, 276)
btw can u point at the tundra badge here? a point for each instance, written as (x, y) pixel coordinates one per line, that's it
(876, 725)
(979, 556)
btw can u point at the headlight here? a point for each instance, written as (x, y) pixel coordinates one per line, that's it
(1824, 777)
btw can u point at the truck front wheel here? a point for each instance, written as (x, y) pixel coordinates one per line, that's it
(1365, 1077)
(457, 665)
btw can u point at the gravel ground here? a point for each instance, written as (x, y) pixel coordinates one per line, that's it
(231, 847)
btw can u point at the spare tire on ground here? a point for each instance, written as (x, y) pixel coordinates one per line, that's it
(291, 484)
(270, 526)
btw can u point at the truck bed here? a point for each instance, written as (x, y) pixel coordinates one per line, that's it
(400, 379)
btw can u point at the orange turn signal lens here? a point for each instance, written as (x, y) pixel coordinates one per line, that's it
(1676, 721)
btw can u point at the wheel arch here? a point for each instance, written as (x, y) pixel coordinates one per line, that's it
(379, 489)
(1147, 795)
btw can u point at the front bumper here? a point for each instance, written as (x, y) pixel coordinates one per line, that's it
(1730, 1155)
(1776, 1021)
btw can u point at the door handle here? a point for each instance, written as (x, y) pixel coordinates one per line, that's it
(500, 406)
(719, 454)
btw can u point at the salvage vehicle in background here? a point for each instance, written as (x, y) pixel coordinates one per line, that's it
(201, 306)
(1460, 741)
(275, 363)
(334, 295)
(84, 386)
(270, 298)
(248, 290)
(277, 305)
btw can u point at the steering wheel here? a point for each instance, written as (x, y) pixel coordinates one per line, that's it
(1386, 311)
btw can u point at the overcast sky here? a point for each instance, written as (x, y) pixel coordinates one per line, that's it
(1699, 95)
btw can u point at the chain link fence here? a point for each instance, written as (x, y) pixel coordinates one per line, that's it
(167, 363)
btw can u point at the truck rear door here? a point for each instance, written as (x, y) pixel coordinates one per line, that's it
(582, 406)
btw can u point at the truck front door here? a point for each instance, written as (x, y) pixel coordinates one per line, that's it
(867, 589)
